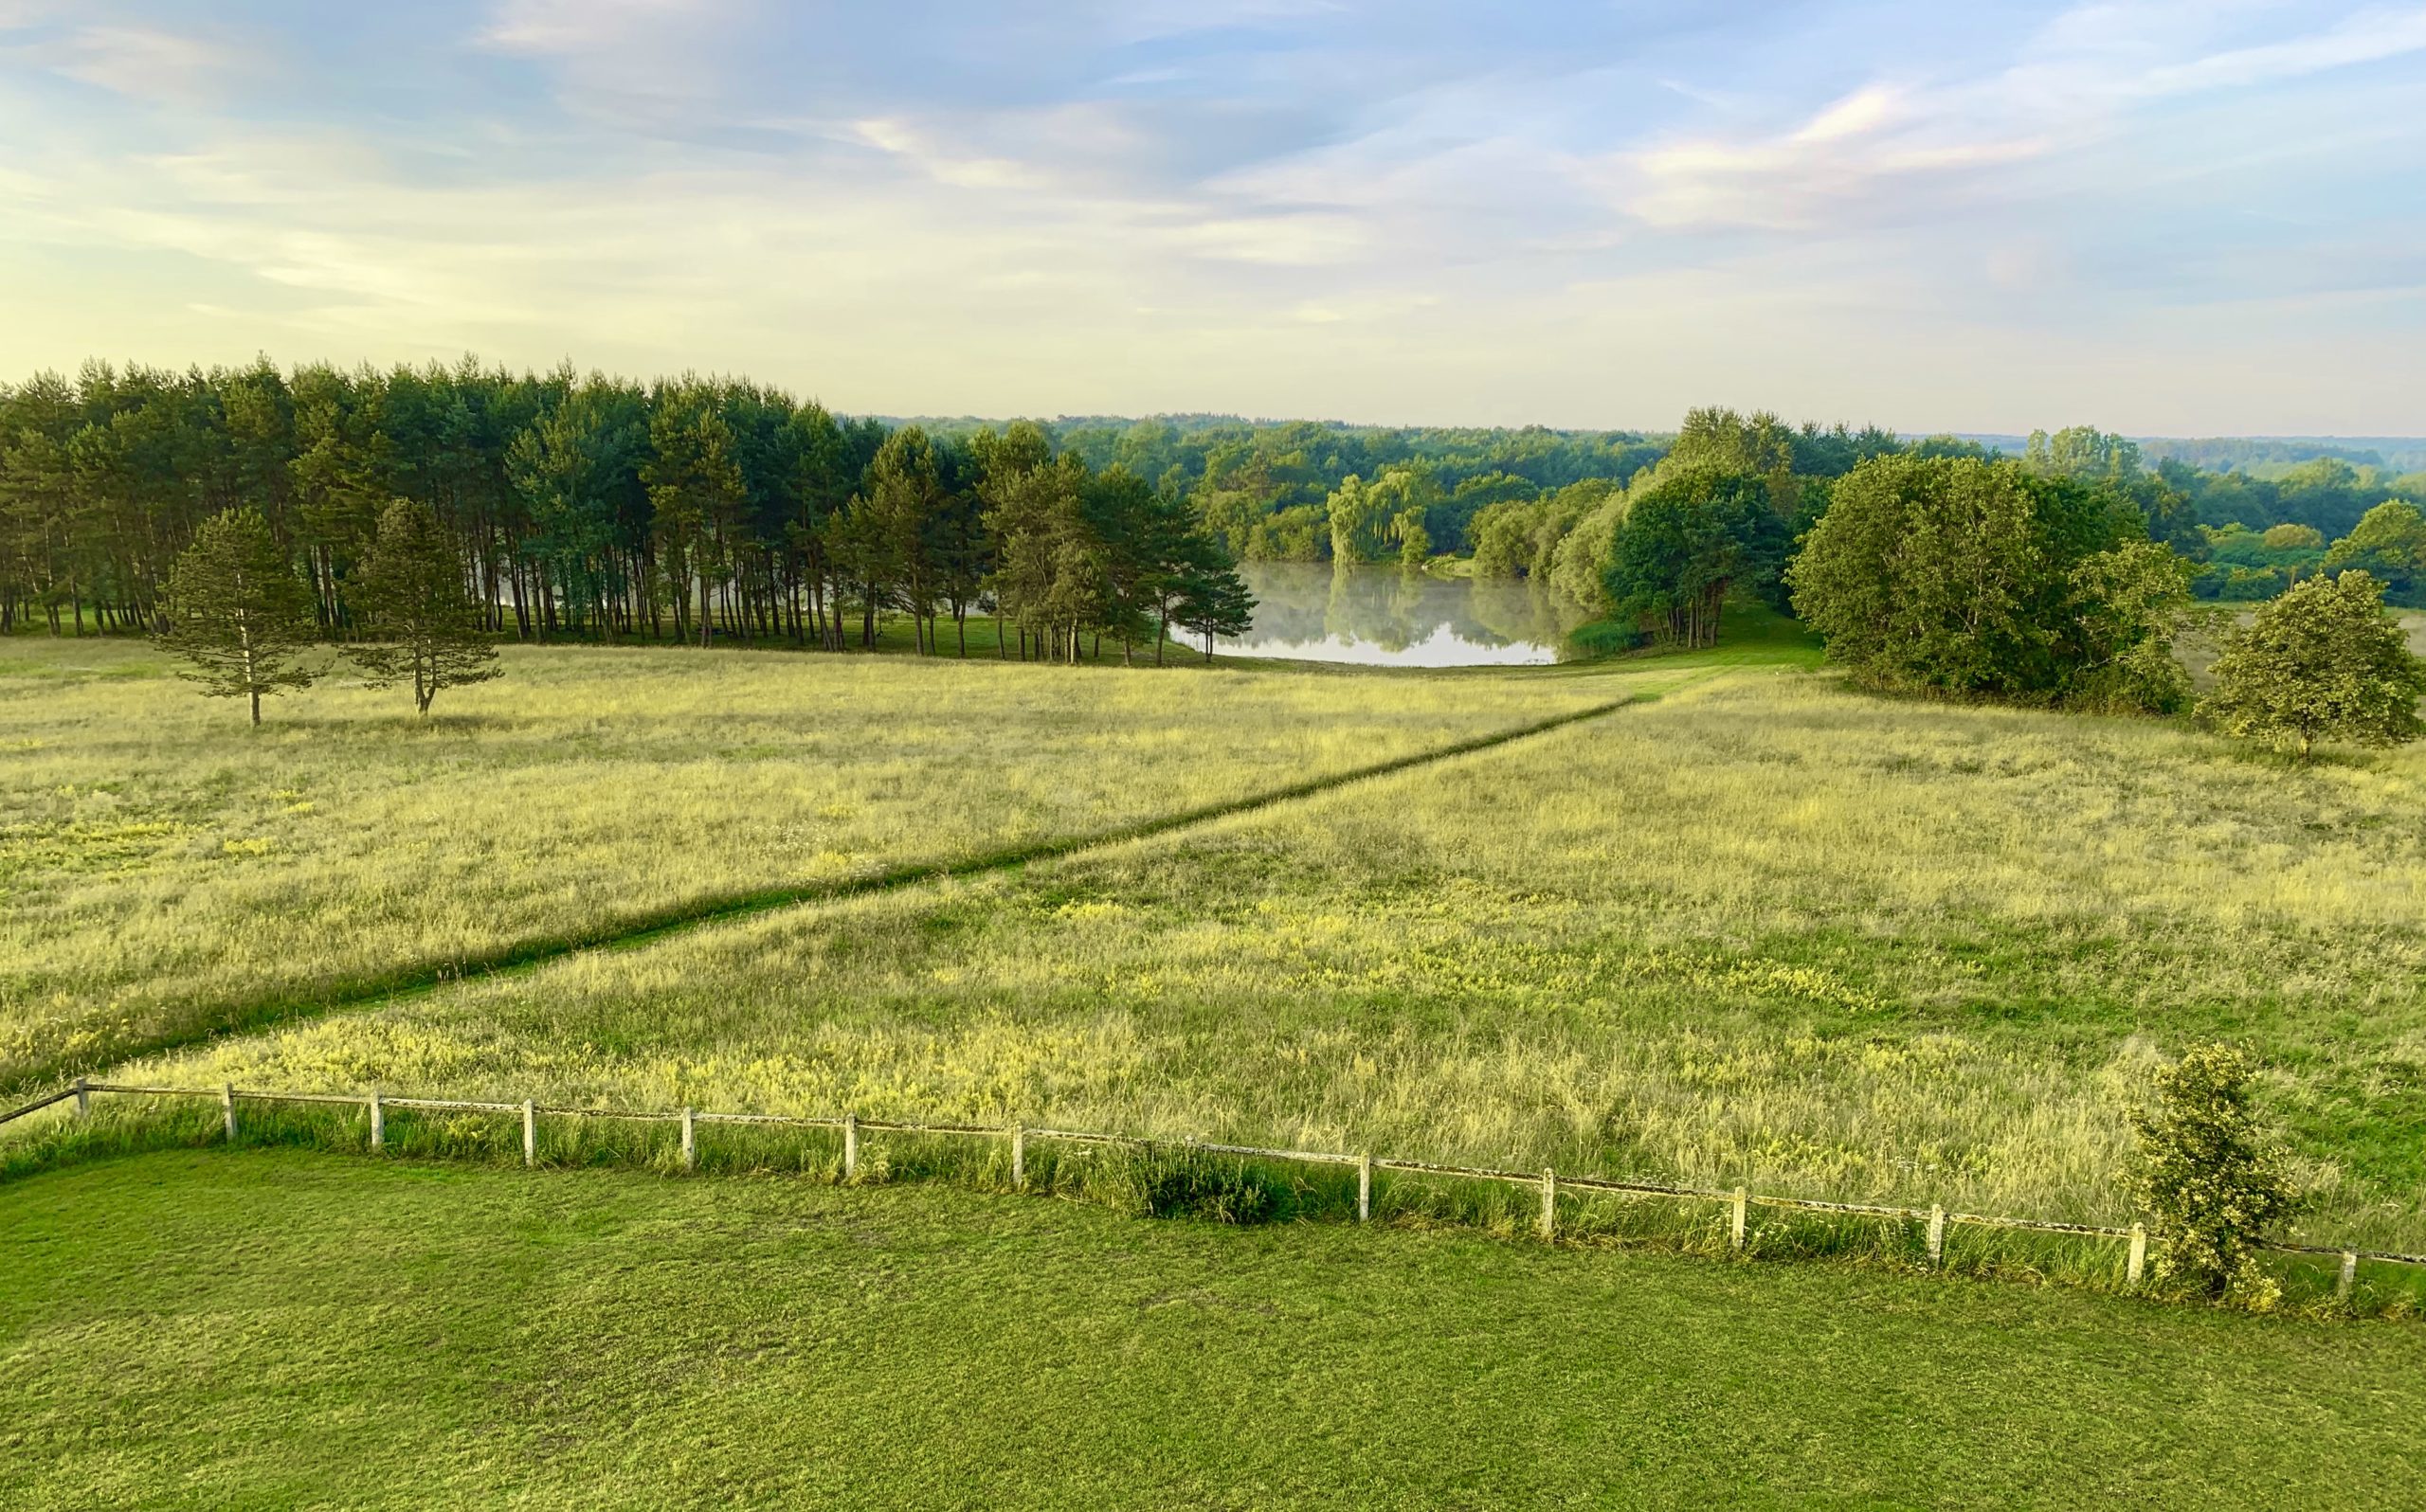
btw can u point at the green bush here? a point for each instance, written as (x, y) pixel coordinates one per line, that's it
(2211, 1178)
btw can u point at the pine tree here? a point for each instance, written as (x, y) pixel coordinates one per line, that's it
(238, 612)
(414, 592)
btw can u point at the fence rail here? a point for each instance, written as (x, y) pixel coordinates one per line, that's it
(851, 1126)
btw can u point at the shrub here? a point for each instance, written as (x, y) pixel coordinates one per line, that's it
(2322, 662)
(2210, 1177)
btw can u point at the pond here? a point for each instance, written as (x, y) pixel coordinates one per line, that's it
(1388, 617)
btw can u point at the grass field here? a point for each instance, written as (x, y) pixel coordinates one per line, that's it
(165, 869)
(1759, 930)
(274, 1328)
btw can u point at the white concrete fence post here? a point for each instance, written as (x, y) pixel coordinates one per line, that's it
(1937, 1235)
(378, 1123)
(1550, 1204)
(84, 1098)
(227, 1108)
(2350, 1276)
(529, 1133)
(1019, 1156)
(1736, 1221)
(1363, 1187)
(2138, 1264)
(850, 1146)
(690, 1141)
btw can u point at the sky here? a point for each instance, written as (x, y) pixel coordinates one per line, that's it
(2160, 218)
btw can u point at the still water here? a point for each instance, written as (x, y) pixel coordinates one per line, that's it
(1385, 616)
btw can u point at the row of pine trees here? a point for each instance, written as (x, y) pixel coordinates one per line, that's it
(599, 508)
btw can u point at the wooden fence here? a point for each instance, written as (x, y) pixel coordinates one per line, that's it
(1738, 1200)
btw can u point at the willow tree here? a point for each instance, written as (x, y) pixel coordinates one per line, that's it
(237, 611)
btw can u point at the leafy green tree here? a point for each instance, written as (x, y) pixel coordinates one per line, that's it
(1685, 542)
(237, 611)
(414, 589)
(2389, 543)
(2324, 661)
(2133, 601)
(1955, 575)
(2210, 1175)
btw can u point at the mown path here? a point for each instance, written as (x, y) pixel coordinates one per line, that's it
(424, 976)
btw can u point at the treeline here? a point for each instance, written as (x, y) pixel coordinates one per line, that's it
(697, 509)
(688, 509)
(1310, 491)
(1734, 498)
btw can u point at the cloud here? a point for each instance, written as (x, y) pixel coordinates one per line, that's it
(613, 56)
(144, 64)
(1891, 151)
(1555, 213)
(2371, 36)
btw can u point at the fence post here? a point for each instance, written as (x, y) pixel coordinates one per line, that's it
(529, 1133)
(1549, 1203)
(2349, 1275)
(690, 1142)
(84, 1098)
(2139, 1262)
(1937, 1235)
(850, 1146)
(1363, 1187)
(1019, 1156)
(1736, 1225)
(227, 1108)
(378, 1121)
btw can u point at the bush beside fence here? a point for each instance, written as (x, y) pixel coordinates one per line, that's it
(1736, 1203)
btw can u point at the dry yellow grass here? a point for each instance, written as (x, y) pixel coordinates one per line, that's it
(1763, 930)
(164, 867)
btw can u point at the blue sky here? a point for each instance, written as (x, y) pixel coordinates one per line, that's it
(2165, 218)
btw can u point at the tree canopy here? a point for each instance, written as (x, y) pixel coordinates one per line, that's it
(415, 594)
(1960, 576)
(235, 611)
(2324, 662)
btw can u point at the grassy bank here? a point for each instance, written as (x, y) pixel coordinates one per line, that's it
(164, 869)
(259, 1327)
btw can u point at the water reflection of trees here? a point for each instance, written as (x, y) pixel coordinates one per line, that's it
(1306, 603)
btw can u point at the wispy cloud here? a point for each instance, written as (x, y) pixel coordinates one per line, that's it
(139, 63)
(1903, 150)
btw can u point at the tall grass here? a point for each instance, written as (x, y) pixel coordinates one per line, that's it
(165, 869)
(1761, 930)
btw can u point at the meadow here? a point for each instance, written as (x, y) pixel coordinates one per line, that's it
(1756, 929)
(167, 871)
(278, 1328)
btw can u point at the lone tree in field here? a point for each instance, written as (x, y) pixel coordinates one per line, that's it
(2210, 1175)
(238, 612)
(2324, 661)
(415, 594)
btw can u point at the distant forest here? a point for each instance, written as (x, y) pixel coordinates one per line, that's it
(590, 505)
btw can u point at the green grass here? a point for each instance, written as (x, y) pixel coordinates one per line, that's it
(1760, 930)
(272, 1328)
(166, 871)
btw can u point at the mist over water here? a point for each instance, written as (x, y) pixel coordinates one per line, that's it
(1390, 617)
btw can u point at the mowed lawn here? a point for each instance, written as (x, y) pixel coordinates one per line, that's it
(1760, 930)
(274, 1328)
(166, 870)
